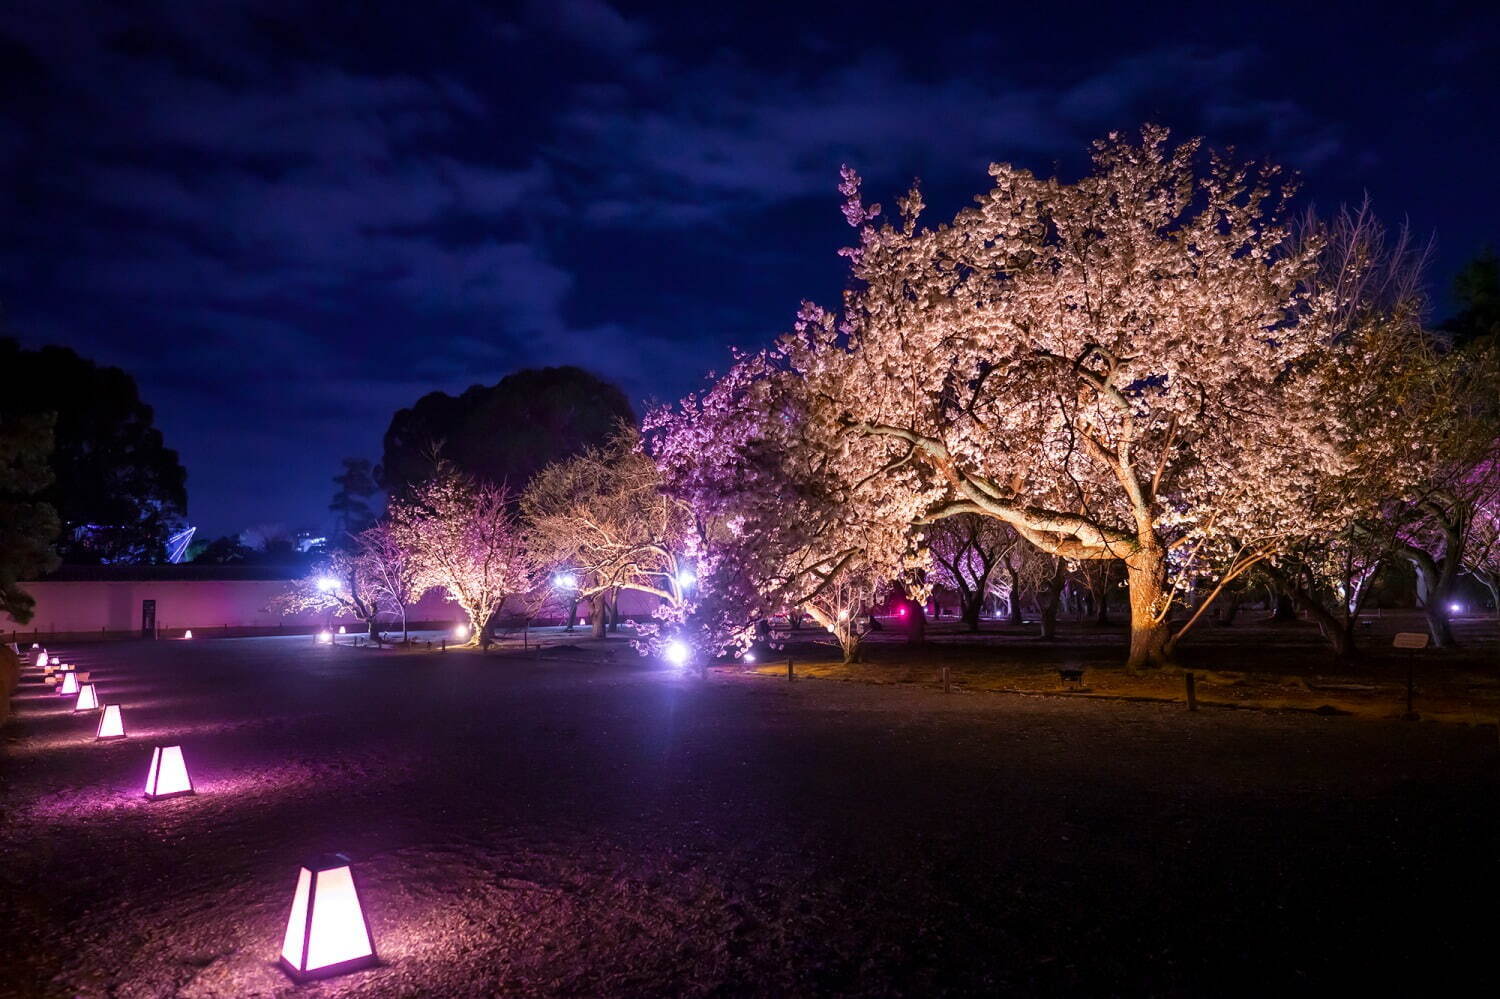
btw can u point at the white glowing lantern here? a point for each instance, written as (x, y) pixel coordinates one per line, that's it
(56, 660)
(111, 723)
(677, 653)
(168, 776)
(87, 699)
(41, 659)
(325, 637)
(342, 631)
(461, 632)
(188, 633)
(69, 684)
(326, 933)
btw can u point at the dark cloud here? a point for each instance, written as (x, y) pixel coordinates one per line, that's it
(288, 220)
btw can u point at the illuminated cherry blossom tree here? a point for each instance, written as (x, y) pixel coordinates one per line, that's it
(785, 532)
(602, 520)
(460, 535)
(340, 584)
(391, 575)
(1118, 368)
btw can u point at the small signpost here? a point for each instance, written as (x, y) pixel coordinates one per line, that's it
(1411, 641)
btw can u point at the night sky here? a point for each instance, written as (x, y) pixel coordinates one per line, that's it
(288, 220)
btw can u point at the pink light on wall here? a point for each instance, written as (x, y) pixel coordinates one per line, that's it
(168, 776)
(111, 723)
(326, 932)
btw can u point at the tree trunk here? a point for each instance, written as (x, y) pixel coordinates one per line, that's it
(1049, 599)
(1146, 578)
(596, 612)
(614, 613)
(572, 614)
(916, 622)
(1285, 610)
(1014, 597)
(850, 646)
(1434, 589)
(971, 608)
(1101, 609)
(1231, 609)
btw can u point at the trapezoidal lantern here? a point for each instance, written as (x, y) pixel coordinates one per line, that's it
(168, 776)
(111, 723)
(41, 658)
(69, 684)
(87, 699)
(326, 933)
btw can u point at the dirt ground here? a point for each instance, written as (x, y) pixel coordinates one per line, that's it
(1253, 664)
(580, 822)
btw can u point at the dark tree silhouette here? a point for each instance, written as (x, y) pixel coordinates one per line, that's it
(351, 504)
(27, 526)
(118, 490)
(505, 433)
(1476, 289)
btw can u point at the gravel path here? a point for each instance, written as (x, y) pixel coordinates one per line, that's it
(529, 826)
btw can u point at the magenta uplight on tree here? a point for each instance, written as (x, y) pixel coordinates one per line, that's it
(326, 932)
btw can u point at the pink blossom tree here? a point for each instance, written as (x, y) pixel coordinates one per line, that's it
(340, 584)
(603, 519)
(460, 535)
(390, 572)
(784, 531)
(1117, 368)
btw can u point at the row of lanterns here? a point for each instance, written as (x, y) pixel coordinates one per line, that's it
(326, 931)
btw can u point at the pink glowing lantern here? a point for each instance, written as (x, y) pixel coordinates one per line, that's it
(168, 776)
(41, 659)
(188, 633)
(88, 700)
(326, 933)
(111, 723)
(69, 684)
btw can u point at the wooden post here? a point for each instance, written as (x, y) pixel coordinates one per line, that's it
(947, 682)
(445, 644)
(1192, 691)
(1411, 642)
(790, 672)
